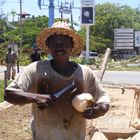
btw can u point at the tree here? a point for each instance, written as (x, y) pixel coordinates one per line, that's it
(108, 18)
(13, 13)
(31, 27)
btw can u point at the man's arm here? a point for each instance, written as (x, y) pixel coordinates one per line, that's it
(19, 97)
(102, 102)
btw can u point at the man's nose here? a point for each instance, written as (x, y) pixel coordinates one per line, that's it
(60, 46)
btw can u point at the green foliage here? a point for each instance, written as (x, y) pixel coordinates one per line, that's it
(81, 60)
(2, 90)
(2, 52)
(31, 27)
(82, 33)
(78, 60)
(99, 44)
(108, 18)
(24, 59)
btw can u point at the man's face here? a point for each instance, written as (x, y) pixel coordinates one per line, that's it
(60, 46)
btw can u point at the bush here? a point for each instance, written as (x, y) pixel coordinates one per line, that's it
(2, 90)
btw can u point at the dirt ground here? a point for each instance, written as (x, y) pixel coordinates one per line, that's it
(14, 121)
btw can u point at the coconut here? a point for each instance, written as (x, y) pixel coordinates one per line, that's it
(81, 101)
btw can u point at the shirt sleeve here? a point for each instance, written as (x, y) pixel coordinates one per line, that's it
(95, 88)
(22, 82)
(100, 94)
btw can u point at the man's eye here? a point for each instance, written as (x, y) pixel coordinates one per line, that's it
(52, 45)
(63, 45)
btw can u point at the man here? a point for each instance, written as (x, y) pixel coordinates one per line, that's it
(10, 63)
(52, 117)
(35, 56)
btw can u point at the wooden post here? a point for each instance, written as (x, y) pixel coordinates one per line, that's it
(5, 80)
(18, 65)
(104, 64)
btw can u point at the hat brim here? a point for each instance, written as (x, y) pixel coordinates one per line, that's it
(42, 37)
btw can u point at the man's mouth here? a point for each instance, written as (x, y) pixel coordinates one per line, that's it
(59, 52)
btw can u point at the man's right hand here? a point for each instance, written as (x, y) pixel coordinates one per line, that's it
(44, 101)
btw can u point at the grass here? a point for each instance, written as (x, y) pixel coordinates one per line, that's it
(124, 69)
(2, 90)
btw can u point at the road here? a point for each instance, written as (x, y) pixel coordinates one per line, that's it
(122, 77)
(3, 68)
(113, 77)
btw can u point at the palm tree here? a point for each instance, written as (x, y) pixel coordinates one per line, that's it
(13, 13)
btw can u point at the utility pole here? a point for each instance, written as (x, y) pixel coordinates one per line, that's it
(51, 12)
(21, 34)
(63, 9)
(21, 27)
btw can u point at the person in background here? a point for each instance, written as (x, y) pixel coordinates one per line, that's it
(35, 56)
(10, 60)
(56, 118)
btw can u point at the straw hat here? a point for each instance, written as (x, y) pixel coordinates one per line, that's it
(60, 28)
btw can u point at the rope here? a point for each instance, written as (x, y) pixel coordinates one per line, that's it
(135, 107)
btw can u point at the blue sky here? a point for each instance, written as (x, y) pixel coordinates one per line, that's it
(31, 6)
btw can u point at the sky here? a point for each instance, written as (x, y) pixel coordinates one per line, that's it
(31, 7)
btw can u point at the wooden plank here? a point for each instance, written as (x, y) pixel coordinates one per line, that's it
(104, 64)
(123, 40)
(123, 37)
(124, 44)
(123, 30)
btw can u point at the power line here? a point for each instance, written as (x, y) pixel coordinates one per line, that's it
(33, 8)
(11, 2)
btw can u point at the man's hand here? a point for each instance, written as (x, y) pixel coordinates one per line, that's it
(98, 109)
(44, 101)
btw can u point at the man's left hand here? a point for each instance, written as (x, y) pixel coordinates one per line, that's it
(98, 109)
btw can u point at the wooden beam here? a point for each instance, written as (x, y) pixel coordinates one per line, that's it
(104, 64)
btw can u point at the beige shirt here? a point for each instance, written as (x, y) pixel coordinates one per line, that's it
(61, 121)
(11, 57)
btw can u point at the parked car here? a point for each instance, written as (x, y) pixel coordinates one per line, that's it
(92, 55)
(123, 54)
(127, 54)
